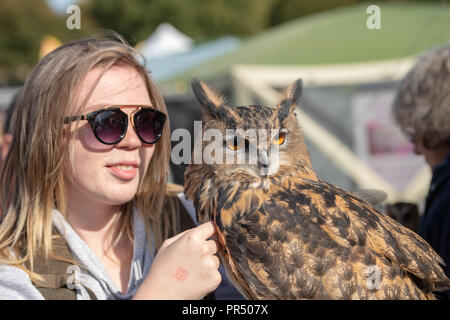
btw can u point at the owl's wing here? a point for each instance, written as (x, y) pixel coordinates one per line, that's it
(232, 269)
(265, 243)
(350, 221)
(282, 246)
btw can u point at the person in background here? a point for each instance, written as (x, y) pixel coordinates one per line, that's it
(422, 110)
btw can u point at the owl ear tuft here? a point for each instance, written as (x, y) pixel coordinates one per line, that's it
(290, 99)
(209, 100)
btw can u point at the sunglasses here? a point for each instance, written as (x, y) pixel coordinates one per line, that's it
(110, 124)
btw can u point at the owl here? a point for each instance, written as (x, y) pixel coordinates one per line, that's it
(284, 232)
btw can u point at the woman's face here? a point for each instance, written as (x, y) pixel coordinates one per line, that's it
(108, 174)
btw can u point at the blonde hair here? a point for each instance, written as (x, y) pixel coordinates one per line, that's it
(32, 180)
(422, 104)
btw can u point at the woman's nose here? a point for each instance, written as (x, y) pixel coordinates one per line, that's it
(131, 140)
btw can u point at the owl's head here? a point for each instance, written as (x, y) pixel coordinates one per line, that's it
(253, 140)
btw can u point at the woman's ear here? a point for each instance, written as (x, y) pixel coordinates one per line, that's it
(290, 99)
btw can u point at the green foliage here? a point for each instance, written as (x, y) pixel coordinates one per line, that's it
(137, 19)
(23, 24)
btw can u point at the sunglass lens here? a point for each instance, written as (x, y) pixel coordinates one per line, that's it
(110, 126)
(149, 124)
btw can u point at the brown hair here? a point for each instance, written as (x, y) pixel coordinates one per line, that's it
(32, 181)
(422, 104)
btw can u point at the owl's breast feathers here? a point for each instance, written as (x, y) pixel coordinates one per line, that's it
(308, 239)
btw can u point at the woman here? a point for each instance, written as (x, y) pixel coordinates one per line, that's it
(422, 109)
(87, 171)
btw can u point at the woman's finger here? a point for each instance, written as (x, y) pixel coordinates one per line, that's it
(206, 230)
(217, 261)
(214, 246)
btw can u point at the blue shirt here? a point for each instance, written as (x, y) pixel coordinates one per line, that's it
(435, 224)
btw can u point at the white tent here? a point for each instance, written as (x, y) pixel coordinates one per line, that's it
(166, 40)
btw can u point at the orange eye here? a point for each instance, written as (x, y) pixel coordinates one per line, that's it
(279, 139)
(235, 143)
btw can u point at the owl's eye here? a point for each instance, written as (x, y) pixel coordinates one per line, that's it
(279, 139)
(235, 143)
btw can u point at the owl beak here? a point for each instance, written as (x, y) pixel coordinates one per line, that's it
(264, 161)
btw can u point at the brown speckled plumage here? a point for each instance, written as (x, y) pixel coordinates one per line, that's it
(290, 235)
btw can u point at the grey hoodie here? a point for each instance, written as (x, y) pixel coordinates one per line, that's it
(15, 284)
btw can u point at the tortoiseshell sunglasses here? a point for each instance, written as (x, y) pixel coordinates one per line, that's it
(110, 123)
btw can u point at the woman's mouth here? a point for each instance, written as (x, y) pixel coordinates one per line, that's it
(123, 171)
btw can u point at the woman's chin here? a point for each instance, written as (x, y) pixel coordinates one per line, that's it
(120, 194)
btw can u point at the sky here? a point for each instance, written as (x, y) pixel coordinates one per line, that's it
(60, 6)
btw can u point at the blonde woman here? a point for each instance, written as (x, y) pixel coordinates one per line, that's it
(83, 191)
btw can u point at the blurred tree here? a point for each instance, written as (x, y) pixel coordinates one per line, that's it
(23, 24)
(137, 19)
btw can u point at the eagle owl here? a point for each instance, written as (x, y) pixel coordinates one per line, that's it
(287, 234)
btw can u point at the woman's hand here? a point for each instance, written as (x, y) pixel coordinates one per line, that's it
(185, 267)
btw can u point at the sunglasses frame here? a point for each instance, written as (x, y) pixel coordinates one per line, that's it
(90, 118)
